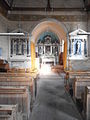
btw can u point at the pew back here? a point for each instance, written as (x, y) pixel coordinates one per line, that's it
(79, 86)
(19, 75)
(9, 112)
(16, 95)
(87, 102)
(20, 81)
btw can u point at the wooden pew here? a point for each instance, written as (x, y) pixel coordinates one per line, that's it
(19, 75)
(71, 77)
(73, 74)
(16, 95)
(21, 81)
(86, 102)
(79, 85)
(34, 73)
(10, 112)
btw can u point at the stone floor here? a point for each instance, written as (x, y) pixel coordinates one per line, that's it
(52, 101)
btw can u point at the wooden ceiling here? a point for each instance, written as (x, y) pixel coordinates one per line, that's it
(7, 6)
(32, 5)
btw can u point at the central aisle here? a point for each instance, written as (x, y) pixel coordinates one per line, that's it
(52, 101)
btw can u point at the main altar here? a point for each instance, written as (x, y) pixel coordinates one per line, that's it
(47, 50)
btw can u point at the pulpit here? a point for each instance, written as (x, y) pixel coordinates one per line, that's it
(4, 66)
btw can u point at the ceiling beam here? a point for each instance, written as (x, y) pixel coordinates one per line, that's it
(48, 8)
(11, 4)
(4, 4)
(44, 9)
(24, 17)
(3, 8)
(86, 5)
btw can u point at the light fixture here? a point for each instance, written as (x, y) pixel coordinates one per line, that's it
(12, 34)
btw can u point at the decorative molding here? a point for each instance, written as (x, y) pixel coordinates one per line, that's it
(62, 18)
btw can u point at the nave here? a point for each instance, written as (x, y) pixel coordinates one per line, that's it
(53, 102)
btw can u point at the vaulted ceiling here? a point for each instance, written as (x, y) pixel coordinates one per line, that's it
(10, 6)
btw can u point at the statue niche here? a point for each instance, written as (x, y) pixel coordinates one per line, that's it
(77, 48)
(78, 44)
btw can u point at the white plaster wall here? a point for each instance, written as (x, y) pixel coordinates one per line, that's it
(28, 26)
(89, 35)
(4, 43)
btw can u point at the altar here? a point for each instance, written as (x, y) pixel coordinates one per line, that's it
(48, 60)
(48, 48)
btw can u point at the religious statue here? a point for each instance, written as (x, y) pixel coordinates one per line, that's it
(20, 48)
(78, 47)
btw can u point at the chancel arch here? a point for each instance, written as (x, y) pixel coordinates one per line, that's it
(55, 28)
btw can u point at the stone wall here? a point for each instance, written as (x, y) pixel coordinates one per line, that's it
(4, 39)
(71, 22)
(88, 28)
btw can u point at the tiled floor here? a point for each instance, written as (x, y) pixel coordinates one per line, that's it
(52, 101)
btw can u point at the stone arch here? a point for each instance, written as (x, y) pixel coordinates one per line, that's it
(48, 25)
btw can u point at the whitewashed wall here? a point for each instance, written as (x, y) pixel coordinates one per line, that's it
(88, 25)
(3, 39)
(28, 26)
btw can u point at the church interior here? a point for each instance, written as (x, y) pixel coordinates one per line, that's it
(44, 59)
